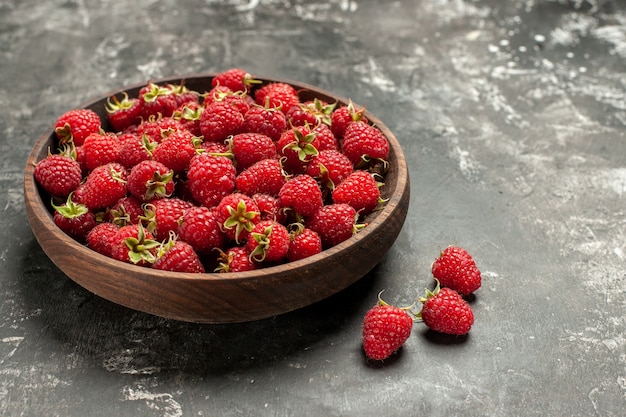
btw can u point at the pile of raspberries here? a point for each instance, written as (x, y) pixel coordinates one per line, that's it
(239, 177)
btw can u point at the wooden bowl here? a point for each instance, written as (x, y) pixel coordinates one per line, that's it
(223, 297)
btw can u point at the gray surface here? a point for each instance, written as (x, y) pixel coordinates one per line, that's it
(512, 115)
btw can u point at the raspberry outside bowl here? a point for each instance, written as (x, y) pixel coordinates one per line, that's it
(223, 297)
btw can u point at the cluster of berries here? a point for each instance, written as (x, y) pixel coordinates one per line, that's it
(386, 328)
(236, 178)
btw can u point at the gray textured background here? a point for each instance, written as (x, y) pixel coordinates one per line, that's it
(512, 116)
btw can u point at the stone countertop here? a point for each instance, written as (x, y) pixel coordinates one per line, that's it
(512, 117)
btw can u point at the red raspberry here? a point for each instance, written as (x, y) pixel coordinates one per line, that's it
(334, 223)
(135, 149)
(133, 244)
(188, 115)
(297, 147)
(302, 195)
(178, 256)
(304, 243)
(301, 144)
(150, 180)
(219, 149)
(249, 148)
(269, 207)
(199, 228)
(312, 113)
(163, 216)
(182, 95)
(127, 210)
(324, 138)
(74, 219)
(236, 259)
(360, 190)
(103, 187)
(220, 120)
(176, 150)
(342, 116)
(156, 100)
(445, 311)
(238, 100)
(363, 142)
(156, 128)
(125, 136)
(217, 93)
(235, 79)
(210, 178)
(58, 175)
(264, 177)
(237, 214)
(268, 121)
(455, 268)
(100, 149)
(124, 113)
(100, 238)
(75, 125)
(385, 329)
(330, 168)
(277, 95)
(268, 242)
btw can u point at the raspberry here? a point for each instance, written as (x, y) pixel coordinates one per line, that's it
(236, 259)
(249, 148)
(269, 208)
(455, 268)
(330, 168)
(385, 329)
(278, 95)
(296, 146)
(268, 121)
(176, 150)
(237, 215)
(268, 241)
(219, 120)
(235, 79)
(58, 175)
(199, 228)
(188, 115)
(359, 190)
(100, 149)
(163, 215)
(312, 113)
(178, 256)
(304, 243)
(157, 127)
(100, 238)
(135, 149)
(103, 187)
(363, 142)
(342, 116)
(334, 223)
(263, 177)
(156, 100)
(127, 210)
(74, 219)
(150, 180)
(133, 244)
(445, 311)
(75, 125)
(302, 195)
(210, 178)
(124, 113)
